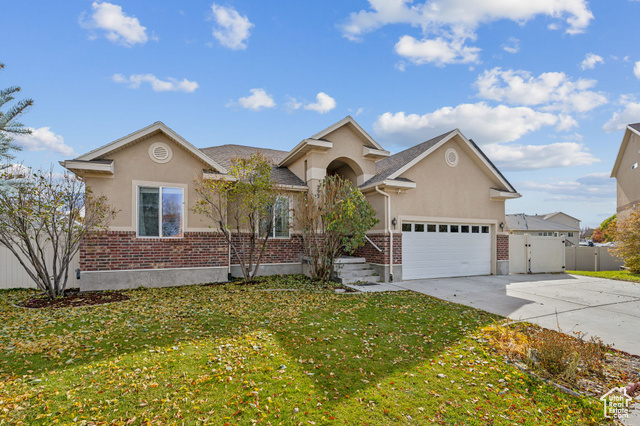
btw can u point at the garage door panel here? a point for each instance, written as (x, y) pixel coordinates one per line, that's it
(445, 254)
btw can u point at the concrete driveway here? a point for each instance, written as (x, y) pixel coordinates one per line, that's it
(605, 308)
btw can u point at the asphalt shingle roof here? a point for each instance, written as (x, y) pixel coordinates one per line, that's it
(387, 166)
(525, 222)
(223, 155)
(635, 126)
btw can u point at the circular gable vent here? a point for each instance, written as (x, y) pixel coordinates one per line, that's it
(160, 152)
(451, 156)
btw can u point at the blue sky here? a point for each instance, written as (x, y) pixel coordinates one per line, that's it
(545, 87)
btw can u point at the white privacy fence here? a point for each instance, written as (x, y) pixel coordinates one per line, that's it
(592, 259)
(13, 275)
(535, 254)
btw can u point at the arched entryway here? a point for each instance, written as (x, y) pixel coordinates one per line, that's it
(345, 168)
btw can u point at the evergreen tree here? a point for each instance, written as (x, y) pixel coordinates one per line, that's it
(9, 126)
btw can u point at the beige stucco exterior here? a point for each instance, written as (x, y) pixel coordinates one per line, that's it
(347, 148)
(628, 178)
(428, 188)
(443, 191)
(133, 166)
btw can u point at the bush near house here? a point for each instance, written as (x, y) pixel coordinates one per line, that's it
(628, 241)
(239, 205)
(334, 220)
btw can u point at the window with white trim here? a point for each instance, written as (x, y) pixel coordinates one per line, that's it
(570, 234)
(160, 212)
(279, 213)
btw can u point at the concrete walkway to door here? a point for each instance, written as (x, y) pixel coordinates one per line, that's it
(605, 308)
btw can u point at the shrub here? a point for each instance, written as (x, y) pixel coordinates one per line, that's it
(628, 241)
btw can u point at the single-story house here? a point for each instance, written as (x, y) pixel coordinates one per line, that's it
(626, 172)
(440, 205)
(556, 224)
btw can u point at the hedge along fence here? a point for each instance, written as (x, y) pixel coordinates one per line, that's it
(13, 275)
(591, 259)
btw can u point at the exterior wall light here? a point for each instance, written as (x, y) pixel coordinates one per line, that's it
(394, 222)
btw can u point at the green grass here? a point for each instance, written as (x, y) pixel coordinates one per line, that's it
(612, 275)
(203, 355)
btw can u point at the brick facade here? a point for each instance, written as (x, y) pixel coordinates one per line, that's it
(382, 241)
(503, 247)
(115, 250)
(278, 250)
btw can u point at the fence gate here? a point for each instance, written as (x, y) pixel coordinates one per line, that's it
(534, 254)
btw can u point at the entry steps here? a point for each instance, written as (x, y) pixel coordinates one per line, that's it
(349, 270)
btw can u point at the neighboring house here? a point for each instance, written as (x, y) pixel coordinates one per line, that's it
(626, 172)
(546, 225)
(440, 204)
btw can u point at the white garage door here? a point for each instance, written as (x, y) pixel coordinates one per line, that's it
(435, 250)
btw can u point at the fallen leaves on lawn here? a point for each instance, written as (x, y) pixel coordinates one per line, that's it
(242, 354)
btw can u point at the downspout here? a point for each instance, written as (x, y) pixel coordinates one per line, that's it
(388, 218)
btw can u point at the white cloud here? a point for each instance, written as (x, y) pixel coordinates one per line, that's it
(169, 85)
(324, 103)
(464, 14)
(43, 139)
(590, 61)
(15, 169)
(593, 186)
(531, 157)
(630, 113)
(552, 90)
(232, 30)
(483, 123)
(636, 70)
(119, 28)
(453, 22)
(258, 100)
(439, 51)
(512, 45)
(292, 104)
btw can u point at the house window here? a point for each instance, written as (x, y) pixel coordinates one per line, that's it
(570, 234)
(431, 228)
(485, 229)
(160, 212)
(279, 213)
(406, 227)
(464, 229)
(443, 228)
(419, 227)
(475, 229)
(454, 228)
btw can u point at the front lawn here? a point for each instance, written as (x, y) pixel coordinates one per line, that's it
(239, 355)
(612, 275)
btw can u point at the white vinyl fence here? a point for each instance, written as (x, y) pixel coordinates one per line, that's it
(13, 275)
(535, 255)
(592, 259)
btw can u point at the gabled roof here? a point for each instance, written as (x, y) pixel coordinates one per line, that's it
(525, 222)
(392, 167)
(631, 128)
(348, 120)
(372, 149)
(549, 216)
(158, 126)
(223, 155)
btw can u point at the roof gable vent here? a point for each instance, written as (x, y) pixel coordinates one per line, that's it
(160, 152)
(451, 156)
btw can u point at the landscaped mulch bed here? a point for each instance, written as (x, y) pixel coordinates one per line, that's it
(612, 368)
(75, 299)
